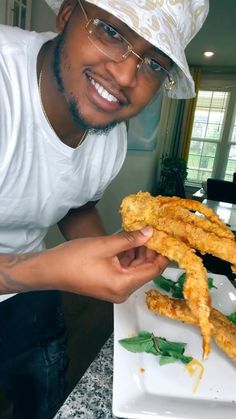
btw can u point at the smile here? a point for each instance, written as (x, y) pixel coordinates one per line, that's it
(103, 92)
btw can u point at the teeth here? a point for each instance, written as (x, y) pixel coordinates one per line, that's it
(103, 92)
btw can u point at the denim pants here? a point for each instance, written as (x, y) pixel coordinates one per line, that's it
(32, 354)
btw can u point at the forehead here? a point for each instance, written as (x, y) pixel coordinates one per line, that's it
(128, 33)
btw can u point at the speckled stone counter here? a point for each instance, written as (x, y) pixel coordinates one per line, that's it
(92, 396)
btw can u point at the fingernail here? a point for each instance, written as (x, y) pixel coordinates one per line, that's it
(147, 231)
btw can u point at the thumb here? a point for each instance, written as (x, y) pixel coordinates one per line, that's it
(128, 240)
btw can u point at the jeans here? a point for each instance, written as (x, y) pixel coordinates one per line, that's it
(33, 359)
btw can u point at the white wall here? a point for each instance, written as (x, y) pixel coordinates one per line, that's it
(42, 19)
(137, 173)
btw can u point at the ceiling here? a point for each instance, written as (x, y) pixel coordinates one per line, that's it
(218, 34)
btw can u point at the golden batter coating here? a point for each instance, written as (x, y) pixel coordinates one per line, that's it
(196, 284)
(223, 330)
(178, 231)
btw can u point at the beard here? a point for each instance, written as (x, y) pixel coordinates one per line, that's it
(74, 106)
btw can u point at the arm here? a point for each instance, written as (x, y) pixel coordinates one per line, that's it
(84, 223)
(86, 266)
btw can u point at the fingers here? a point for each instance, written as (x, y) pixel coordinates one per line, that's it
(138, 256)
(127, 240)
(149, 269)
(127, 257)
(136, 276)
(142, 255)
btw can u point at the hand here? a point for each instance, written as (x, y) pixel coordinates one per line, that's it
(137, 256)
(98, 267)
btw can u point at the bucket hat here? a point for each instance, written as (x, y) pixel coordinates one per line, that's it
(169, 25)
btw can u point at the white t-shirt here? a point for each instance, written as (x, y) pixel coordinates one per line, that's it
(41, 178)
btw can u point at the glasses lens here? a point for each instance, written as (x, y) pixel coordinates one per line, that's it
(112, 44)
(153, 71)
(107, 39)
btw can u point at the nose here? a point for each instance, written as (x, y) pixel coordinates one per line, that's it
(124, 72)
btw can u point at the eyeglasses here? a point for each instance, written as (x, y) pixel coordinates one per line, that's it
(112, 44)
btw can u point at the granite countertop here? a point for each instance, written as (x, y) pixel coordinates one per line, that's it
(92, 396)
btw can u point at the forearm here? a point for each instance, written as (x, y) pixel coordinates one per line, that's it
(83, 224)
(26, 272)
(88, 266)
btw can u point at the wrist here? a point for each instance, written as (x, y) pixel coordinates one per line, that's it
(25, 272)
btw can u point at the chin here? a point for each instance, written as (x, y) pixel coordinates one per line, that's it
(85, 123)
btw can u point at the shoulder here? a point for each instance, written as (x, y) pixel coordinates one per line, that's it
(9, 35)
(14, 36)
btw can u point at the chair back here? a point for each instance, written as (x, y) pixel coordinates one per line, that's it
(221, 190)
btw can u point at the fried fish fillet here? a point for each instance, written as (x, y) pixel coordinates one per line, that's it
(223, 330)
(178, 231)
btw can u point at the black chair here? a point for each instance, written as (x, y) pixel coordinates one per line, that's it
(221, 190)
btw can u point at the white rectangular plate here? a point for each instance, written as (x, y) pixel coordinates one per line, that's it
(144, 389)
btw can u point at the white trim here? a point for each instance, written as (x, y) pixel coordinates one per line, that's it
(10, 9)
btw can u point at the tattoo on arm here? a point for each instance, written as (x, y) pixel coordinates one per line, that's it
(13, 260)
(8, 283)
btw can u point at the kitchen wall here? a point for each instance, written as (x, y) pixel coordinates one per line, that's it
(43, 19)
(2, 11)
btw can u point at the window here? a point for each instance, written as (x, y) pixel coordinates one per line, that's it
(212, 150)
(231, 164)
(19, 13)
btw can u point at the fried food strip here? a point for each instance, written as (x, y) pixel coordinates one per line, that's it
(196, 284)
(177, 231)
(223, 331)
(198, 233)
(189, 204)
(182, 214)
(197, 238)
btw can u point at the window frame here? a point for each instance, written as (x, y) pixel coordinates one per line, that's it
(10, 10)
(225, 83)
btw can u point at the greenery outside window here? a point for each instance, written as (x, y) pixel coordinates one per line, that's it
(212, 150)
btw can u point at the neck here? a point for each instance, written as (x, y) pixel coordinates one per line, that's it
(54, 105)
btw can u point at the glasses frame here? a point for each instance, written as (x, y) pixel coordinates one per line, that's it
(169, 84)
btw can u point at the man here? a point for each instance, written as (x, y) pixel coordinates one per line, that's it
(62, 140)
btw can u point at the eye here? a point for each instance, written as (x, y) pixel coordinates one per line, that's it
(155, 66)
(107, 32)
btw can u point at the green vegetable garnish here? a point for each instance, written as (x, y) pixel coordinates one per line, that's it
(176, 287)
(159, 346)
(232, 317)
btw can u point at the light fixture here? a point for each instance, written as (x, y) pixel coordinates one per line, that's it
(208, 54)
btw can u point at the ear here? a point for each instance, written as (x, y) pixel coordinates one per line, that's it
(64, 14)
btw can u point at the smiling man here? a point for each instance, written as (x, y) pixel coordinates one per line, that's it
(108, 82)
(64, 101)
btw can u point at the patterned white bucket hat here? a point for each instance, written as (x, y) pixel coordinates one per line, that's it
(168, 24)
